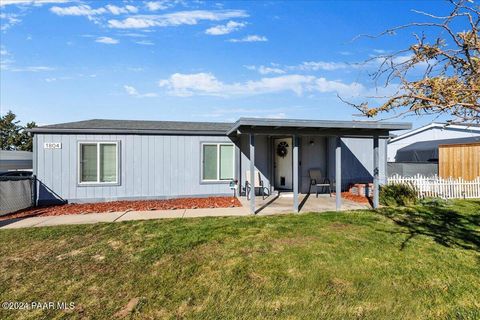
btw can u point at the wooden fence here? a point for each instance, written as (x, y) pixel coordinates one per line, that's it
(439, 187)
(459, 160)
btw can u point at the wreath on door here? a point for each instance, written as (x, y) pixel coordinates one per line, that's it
(282, 149)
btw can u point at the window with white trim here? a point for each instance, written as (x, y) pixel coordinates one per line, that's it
(218, 161)
(98, 162)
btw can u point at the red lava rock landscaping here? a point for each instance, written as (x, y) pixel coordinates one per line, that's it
(355, 198)
(115, 206)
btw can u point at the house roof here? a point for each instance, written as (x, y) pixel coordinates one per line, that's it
(428, 150)
(468, 127)
(135, 127)
(215, 128)
(272, 125)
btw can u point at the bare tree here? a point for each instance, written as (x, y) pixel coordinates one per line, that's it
(449, 81)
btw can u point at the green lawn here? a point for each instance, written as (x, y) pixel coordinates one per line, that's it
(415, 263)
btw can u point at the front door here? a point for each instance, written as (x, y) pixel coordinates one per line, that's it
(283, 164)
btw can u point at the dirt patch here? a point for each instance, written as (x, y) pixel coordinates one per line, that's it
(116, 206)
(69, 254)
(131, 305)
(340, 285)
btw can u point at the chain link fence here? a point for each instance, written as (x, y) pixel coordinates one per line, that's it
(17, 193)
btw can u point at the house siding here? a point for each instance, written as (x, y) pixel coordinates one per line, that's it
(357, 160)
(160, 166)
(169, 166)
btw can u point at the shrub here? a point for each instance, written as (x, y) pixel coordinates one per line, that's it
(398, 195)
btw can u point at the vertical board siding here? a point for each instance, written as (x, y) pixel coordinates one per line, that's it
(312, 156)
(262, 159)
(357, 160)
(459, 161)
(149, 166)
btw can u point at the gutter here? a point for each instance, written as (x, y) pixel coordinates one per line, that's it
(123, 131)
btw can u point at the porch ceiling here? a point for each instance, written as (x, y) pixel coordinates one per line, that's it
(314, 127)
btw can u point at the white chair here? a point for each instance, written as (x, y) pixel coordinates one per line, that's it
(258, 183)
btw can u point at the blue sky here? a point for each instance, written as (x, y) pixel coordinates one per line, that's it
(67, 60)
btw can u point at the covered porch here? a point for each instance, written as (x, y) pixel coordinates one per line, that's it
(281, 203)
(279, 155)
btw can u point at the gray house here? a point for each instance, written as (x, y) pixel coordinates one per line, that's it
(102, 160)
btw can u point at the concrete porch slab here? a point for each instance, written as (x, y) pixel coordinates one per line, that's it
(308, 203)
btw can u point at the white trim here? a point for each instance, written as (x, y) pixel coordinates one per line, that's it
(447, 126)
(217, 144)
(98, 144)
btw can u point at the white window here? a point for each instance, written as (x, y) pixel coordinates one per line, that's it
(98, 162)
(218, 161)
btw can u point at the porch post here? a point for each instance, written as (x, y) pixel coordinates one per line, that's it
(252, 173)
(376, 173)
(295, 173)
(338, 174)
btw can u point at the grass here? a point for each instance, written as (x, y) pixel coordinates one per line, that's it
(397, 263)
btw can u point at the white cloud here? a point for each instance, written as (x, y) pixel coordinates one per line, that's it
(175, 19)
(145, 43)
(8, 20)
(8, 63)
(133, 34)
(31, 69)
(158, 5)
(106, 40)
(121, 10)
(266, 70)
(131, 91)
(304, 66)
(80, 10)
(86, 10)
(225, 28)
(250, 38)
(207, 84)
(30, 2)
(319, 65)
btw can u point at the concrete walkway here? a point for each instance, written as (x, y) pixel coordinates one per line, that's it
(120, 216)
(281, 204)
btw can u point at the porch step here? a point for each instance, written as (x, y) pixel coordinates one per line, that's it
(285, 194)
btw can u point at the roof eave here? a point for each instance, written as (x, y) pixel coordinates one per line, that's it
(390, 126)
(125, 131)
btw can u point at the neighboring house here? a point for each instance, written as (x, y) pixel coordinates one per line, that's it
(430, 132)
(101, 160)
(15, 160)
(417, 151)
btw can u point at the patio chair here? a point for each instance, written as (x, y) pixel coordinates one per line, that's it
(257, 184)
(317, 180)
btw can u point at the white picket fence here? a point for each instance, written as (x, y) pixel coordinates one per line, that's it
(438, 187)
